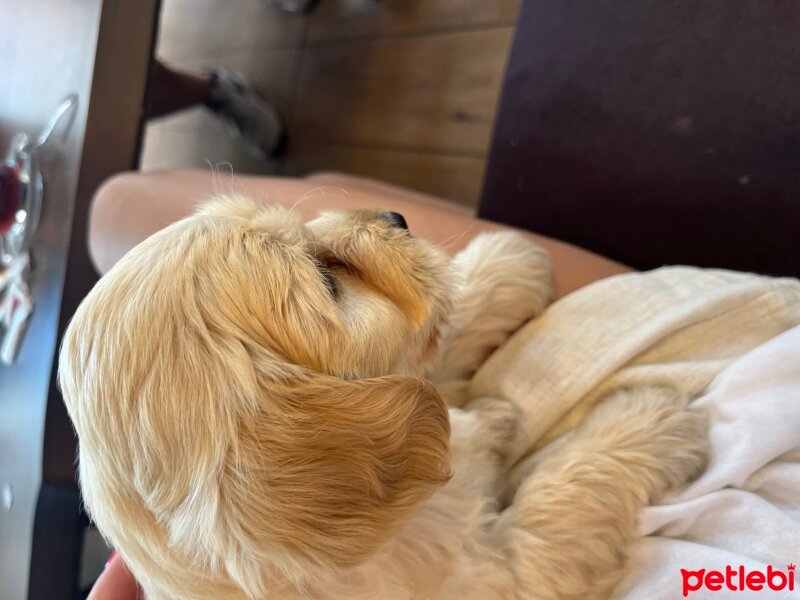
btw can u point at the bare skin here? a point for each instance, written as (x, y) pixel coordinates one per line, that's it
(116, 582)
(132, 206)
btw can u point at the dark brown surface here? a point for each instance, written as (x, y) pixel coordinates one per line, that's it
(101, 50)
(654, 132)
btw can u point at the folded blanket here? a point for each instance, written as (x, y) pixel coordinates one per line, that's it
(676, 325)
(707, 332)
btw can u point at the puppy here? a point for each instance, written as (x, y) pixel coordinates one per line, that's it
(252, 422)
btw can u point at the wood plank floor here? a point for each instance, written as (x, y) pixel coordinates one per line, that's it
(400, 90)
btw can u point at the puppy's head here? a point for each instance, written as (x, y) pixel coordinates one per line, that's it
(239, 384)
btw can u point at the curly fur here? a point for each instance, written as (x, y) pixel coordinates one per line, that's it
(252, 424)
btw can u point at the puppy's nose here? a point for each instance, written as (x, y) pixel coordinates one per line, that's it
(396, 220)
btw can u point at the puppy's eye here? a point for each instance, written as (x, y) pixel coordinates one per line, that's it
(328, 267)
(329, 279)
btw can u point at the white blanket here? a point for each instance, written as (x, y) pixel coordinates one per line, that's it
(729, 338)
(745, 509)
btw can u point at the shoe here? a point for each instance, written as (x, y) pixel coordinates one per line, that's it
(246, 114)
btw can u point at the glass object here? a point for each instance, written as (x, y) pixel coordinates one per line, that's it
(21, 193)
(21, 188)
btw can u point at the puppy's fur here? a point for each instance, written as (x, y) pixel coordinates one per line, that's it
(252, 423)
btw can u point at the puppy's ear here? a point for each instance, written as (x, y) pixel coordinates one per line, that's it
(330, 470)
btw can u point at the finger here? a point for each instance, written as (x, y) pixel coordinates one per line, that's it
(115, 583)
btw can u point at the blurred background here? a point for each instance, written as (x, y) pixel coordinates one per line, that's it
(400, 90)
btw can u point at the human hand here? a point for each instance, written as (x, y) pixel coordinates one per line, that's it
(116, 582)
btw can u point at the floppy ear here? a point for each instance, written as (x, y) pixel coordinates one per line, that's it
(330, 468)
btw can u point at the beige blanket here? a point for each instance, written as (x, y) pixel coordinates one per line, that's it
(676, 325)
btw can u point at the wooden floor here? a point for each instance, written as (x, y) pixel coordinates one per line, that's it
(400, 90)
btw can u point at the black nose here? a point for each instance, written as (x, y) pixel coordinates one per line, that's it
(396, 220)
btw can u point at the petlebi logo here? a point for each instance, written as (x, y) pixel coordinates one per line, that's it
(739, 579)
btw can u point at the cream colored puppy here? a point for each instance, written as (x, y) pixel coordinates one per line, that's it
(252, 423)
